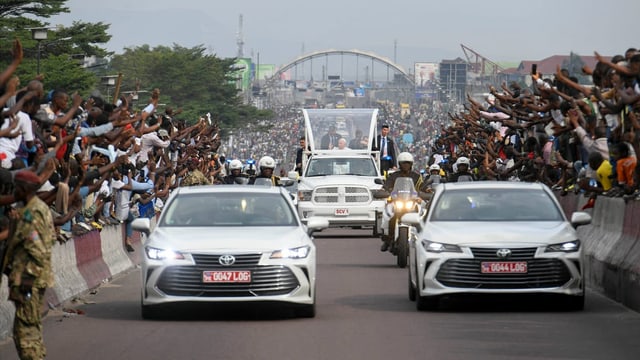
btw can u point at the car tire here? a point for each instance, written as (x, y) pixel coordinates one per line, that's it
(307, 311)
(427, 303)
(574, 303)
(375, 228)
(402, 249)
(412, 289)
(149, 312)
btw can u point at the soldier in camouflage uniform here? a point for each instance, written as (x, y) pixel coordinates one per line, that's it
(194, 176)
(28, 264)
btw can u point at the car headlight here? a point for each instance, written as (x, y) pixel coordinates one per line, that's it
(437, 247)
(162, 254)
(567, 247)
(304, 195)
(294, 253)
(403, 205)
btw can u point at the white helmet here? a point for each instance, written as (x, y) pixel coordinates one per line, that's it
(434, 167)
(405, 157)
(463, 161)
(267, 162)
(235, 164)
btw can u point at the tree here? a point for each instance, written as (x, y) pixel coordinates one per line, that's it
(59, 52)
(188, 78)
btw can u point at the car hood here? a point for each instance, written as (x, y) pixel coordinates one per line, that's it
(314, 181)
(498, 233)
(262, 238)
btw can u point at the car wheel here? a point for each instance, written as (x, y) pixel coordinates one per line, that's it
(424, 303)
(574, 303)
(149, 312)
(402, 251)
(412, 289)
(375, 228)
(307, 311)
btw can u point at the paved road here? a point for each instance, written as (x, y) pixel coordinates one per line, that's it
(363, 313)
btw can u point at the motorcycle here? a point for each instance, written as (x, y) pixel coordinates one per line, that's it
(403, 199)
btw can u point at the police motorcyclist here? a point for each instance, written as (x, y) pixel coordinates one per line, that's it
(435, 176)
(405, 163)
(235, 173)
(462, 173)
(266, 165)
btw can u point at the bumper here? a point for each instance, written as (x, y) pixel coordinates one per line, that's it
(290, 281)
(341, 215)
(454, 273)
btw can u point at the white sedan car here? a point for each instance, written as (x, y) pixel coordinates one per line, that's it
(229, 244)
(495, 238)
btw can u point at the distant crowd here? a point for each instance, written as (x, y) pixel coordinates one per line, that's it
(102, 163)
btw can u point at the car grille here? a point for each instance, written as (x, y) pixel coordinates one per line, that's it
(241, 260)
(516, 254)
(342, 194)
(541, 273)
(265, 280)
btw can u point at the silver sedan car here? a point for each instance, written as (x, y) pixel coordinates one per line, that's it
(495, 238)
(229, 243)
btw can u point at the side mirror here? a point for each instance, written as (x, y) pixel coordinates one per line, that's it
(292, 175)
(141, 224)
(380, 194)
(378, 181)
(412, 219)
(579, 218)
(316, 224)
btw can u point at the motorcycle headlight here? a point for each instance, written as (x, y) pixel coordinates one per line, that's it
(293, 253)
(403, 205)
(162, 254)
(566, 247)
(304, 195)
(436, 247)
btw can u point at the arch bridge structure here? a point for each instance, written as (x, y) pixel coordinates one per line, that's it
(352, 78)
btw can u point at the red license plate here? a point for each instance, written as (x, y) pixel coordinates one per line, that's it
(342, 212)
(226, 276)
(504, 267)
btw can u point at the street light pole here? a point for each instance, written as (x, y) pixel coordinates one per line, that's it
(39, 34)
(38, 59)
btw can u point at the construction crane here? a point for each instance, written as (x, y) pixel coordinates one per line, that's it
(479, 64)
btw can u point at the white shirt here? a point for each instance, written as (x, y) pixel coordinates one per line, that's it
(148, 142)
(9, 146)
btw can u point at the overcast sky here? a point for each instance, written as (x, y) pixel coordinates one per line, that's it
(425, 31)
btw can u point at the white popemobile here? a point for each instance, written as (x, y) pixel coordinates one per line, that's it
(336, 183)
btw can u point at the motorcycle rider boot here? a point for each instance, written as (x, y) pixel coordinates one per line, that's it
(385, 243)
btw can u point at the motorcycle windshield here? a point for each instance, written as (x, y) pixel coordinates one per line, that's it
(403, 189)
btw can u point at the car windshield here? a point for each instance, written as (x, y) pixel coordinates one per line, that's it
(495, 205)
(341, 166)
(228, 209)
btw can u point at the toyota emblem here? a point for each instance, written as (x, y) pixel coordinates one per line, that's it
(227, 260)
(502, 253)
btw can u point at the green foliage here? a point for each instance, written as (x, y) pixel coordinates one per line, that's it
(42, 8)
(188, 78)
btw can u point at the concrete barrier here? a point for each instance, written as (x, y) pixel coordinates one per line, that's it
(79, 265)
(611, 247)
